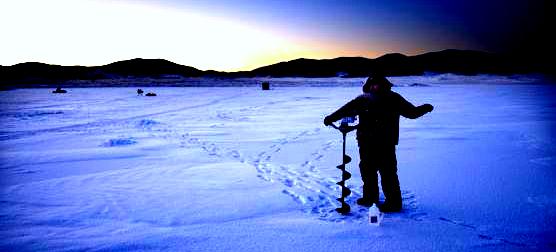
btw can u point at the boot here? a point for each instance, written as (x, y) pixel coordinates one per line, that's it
(364, 202)
(388, 207)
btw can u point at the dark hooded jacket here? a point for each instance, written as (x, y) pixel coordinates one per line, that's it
(379, 116)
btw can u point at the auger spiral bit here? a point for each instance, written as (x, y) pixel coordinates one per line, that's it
(347, 158)
(344, 209)
(344, 128)
(346, 175)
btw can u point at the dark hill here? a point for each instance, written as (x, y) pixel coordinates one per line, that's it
(34, 72)
(466, 62)
(395, 64)
(148, 67)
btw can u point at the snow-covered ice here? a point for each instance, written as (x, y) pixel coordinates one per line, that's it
(240, 169)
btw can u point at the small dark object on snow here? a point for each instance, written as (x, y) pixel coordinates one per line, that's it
(150, 94)
(419, 85)
(266, 85)
(59, 91)
(140, 92)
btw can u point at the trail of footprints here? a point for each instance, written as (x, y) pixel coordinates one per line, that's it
(304, 182)
(306, 186)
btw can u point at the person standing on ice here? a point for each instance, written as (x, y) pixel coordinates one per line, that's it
(379, 110)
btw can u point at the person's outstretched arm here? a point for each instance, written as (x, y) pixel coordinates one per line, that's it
(407, 109)
(350, 109)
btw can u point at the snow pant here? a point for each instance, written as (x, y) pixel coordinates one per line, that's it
(381, 158)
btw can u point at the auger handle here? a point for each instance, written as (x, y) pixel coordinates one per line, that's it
(344, 128)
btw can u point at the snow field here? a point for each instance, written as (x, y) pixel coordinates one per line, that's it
(220, 169)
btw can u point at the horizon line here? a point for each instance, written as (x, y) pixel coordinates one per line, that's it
(390, 53)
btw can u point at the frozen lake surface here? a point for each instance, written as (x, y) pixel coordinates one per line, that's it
(239, 169)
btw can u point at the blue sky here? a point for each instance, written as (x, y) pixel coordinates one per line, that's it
(241, 35)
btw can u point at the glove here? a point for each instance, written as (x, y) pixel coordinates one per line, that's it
(427, 107)
(328, 121)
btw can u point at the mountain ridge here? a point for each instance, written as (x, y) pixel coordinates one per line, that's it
(467, 62)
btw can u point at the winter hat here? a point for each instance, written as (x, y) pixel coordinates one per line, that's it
(376, 80)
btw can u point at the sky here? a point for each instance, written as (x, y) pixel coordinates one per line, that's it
(239, 35)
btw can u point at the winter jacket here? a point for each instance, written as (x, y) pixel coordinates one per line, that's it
(379, 116)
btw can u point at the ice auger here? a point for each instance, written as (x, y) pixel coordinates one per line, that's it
(344, 128)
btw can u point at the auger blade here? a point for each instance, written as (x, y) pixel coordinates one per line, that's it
(345, 192)
(346, 175)
(344, 209)
(347, 159)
